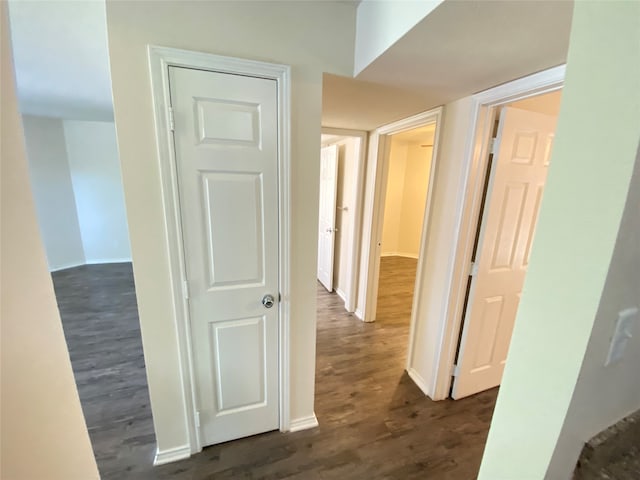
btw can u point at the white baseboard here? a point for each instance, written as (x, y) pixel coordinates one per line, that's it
(96, 261)
(64, 267)
(400, 254)
(358, 313)
(341, 294)
(419, 381)
(172, 455)
(303, 423)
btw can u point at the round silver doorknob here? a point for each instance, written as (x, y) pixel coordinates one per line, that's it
(268, 301)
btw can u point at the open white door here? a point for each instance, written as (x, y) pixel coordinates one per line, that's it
(225, 134)
(327, 214)
(519, 171)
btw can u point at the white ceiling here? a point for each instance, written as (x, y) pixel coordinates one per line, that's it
(462, 47)
(61, 58)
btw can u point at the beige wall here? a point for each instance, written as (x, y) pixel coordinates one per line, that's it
(407, 184)
(312, 37)
(393, 198)
(603, 395)
(564, 320)
(43, 432)
(414, 198)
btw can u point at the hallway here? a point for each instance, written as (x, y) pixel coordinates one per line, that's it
(374, 422)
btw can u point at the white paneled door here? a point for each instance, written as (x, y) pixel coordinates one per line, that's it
(226, 141)
(327, 214)
(518, 176)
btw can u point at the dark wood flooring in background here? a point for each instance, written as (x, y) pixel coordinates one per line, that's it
(374, 422)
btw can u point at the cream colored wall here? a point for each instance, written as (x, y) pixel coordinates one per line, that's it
(294, 33)
(414, 199)
(393, 197)
(43, 432)
(603, 395)
(407, 184)
(444, 228)
(564, 320)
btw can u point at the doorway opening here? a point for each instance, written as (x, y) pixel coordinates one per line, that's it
(342, 159)
(408, 173)
(515, 174)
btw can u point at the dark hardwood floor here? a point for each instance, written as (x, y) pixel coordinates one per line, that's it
(374, 422)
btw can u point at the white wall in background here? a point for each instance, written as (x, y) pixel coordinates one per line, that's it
(53, 191)
(95, 172)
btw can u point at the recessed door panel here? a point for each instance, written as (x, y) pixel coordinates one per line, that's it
(238, 352)
(227, 123)
(235, 237)
(489, 323)
(510, 217)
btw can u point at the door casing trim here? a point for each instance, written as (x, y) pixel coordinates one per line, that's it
(373, 212)
(477, 139)
(160, 59)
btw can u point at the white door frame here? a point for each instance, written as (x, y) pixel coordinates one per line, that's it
(484, 109)
(160, 59)
(351, 295)
(373, 213)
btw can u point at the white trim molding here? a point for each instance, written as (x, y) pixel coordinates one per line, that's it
(417, 379)
(160, 59)
(477, 139)
(65, 267)
(171, 455)
(98, 261)
(303, 423)
(373, 211)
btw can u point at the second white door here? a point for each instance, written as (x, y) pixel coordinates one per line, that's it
(327, 214)
(226, 140)
(508, 226)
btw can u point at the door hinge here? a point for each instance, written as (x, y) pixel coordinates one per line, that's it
(185, 289)
(473, 269)
(197, 419)
(455, 370)
(493, 146)
(172, 125)
(279, 297)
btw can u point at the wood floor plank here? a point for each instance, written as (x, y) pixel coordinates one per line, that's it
(374, 422)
